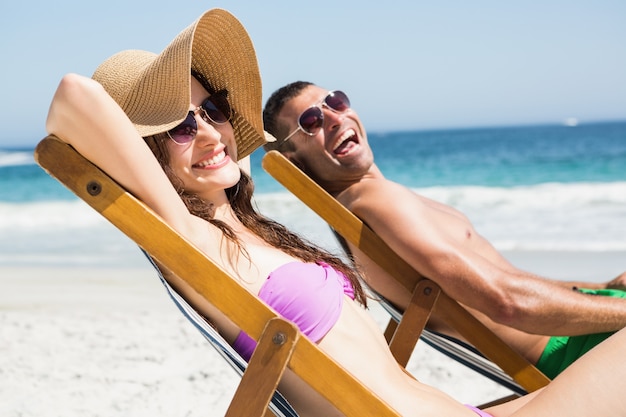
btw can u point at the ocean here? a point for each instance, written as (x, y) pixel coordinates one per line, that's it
(531, 188)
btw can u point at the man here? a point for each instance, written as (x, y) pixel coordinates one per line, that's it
(320, 133)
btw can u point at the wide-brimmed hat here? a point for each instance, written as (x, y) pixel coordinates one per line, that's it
(154, 90)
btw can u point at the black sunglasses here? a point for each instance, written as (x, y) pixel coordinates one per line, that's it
(214, 109)
(312, 119)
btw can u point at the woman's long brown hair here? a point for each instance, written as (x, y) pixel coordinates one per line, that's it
(272, 232)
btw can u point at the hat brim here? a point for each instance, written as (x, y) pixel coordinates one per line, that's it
(154, 90)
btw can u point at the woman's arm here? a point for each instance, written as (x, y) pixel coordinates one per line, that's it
(86, 117)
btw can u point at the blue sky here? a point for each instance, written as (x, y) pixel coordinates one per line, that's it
(404, 64)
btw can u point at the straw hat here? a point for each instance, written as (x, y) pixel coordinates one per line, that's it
(154, 90)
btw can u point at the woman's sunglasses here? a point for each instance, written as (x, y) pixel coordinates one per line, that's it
(312, 119)
(214, 109)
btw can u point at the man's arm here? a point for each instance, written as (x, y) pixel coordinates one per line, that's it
(438, 243)
(618, 283)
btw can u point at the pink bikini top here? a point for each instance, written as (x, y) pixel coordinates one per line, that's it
(310, 295)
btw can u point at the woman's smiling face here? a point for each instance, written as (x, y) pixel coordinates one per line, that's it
(206, 165)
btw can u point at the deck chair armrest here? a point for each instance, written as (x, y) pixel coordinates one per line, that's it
(265, 369)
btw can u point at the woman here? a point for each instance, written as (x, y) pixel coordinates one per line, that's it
(198, 126)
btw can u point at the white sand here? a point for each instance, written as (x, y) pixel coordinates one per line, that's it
(97, 342)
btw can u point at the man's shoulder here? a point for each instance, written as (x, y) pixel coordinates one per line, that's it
(373, 191)
(380, 185)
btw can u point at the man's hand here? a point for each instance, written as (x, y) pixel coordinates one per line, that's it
(619, 283)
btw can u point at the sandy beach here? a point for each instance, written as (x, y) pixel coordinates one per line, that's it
(84, 341)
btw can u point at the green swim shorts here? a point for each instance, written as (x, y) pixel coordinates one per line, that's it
(562, 351)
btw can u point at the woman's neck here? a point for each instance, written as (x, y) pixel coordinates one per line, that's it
(225, 213)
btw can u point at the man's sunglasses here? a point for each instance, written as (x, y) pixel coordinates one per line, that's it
(312, 119)
(214, 109)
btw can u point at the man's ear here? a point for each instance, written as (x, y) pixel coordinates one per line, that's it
(293, 158)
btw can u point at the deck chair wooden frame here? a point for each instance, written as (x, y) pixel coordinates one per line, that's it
(427, 296)
(280, 344)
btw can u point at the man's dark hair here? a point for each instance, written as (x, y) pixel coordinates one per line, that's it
(274, 105)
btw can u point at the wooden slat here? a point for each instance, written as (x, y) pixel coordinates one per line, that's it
(414, 320)
(265, 369)
(390, 330)
(490, 345)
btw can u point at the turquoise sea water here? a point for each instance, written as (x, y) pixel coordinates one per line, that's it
(534, 187)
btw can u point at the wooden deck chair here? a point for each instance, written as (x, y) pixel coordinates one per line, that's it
(280, 343)
(405, 329)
